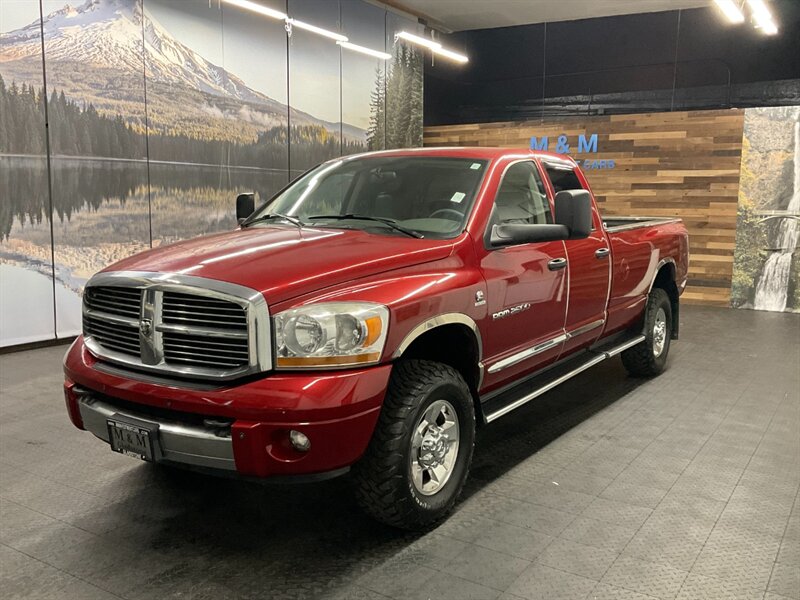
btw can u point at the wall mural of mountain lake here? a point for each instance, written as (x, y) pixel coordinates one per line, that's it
(160, 112)
(766, 272)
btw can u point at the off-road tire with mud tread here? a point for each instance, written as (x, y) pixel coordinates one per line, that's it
(382, 478)
(639, 360)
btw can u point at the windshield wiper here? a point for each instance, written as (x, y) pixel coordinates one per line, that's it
(270, 216)
(390, 222)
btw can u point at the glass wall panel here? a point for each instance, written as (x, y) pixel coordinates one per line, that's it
(26, 268)
(314, 86)
(98, 164)
(403, 84)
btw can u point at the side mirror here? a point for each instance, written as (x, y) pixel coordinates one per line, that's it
(514, 233)
(245, 206)
(574, 211)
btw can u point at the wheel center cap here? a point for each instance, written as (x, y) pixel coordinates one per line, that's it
(434, 447)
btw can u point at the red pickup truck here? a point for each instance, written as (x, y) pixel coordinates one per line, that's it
(370, 316)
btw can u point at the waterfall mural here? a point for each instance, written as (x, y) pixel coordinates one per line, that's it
(766, 274)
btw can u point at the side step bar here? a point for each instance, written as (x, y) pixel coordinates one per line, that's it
(502, 402)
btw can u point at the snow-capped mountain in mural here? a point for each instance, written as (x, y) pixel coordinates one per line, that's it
(101, 41)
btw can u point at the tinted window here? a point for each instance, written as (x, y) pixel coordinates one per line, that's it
(429, 195)
(563, 179)
(520, 198)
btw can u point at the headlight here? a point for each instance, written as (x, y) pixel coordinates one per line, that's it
(330, 334)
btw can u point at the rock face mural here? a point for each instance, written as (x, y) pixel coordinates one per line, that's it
(159, 113)
(766, 274)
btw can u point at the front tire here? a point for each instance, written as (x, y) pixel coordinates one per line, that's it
(419, 456)
(649, 357)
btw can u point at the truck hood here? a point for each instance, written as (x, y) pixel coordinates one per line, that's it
(283, 262)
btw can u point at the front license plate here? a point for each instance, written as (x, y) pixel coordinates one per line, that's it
(131, 439)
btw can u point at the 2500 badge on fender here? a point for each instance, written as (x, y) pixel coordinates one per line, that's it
(368, 318)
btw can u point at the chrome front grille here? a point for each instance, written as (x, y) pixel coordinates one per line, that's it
(187, 326)
(114, 336)
(120, 301)
(198, 311)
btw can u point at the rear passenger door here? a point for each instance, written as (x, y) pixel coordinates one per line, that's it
(589, 270)
(526, 283)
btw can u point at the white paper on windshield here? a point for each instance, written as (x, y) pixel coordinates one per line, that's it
(458, 197)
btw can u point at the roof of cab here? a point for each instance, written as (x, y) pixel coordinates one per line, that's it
(475, 152)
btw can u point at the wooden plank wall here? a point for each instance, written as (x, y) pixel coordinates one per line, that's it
(683, 164)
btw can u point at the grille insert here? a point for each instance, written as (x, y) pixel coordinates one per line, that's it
(119, 301)
(117, 337)
(198, 311)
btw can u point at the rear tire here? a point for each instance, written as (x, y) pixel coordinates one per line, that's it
(419, 455)
(649, 357)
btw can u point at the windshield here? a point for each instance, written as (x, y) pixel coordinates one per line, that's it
(422, 196)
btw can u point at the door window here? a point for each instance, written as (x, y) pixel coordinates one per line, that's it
(520, 198)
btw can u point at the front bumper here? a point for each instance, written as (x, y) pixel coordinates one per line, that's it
(242, 429)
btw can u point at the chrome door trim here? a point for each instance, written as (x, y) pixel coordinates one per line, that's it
(549, 386)
(585, 328)
(528, 353)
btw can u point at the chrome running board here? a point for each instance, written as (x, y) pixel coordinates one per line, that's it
(503, 401)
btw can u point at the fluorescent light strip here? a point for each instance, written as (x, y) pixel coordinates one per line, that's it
(364, 50)
(763, 17)
(419, 40)
(731, 10)
(436, 47)
(318, 30)
(257, 8)
(451, 55)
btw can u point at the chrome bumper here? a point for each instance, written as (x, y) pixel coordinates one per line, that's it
(177, 442)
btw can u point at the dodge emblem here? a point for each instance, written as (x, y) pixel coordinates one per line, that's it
(145, 327)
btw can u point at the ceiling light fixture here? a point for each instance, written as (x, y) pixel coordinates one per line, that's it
(257, 8)
(731, 10)
(415, 39)
(318, 30)
(364, 50)
(762, 16)
(451, 55)
(436, 47)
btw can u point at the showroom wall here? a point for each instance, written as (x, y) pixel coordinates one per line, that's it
(649, 62)
(732, 175)
(127, 124)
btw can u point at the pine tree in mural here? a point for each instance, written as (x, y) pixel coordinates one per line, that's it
(396, 103)
(376, 134)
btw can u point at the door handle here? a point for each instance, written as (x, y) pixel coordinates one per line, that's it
(602, 252)
(557, 263)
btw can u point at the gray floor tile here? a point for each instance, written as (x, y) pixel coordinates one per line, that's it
(645, 577)
(785, 580)
(587, 561)
(700, 587)
(487, 567)
(539, 582)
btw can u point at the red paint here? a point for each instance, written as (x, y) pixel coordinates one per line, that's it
(417, 279)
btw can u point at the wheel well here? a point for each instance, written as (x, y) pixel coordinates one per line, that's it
(665, 279)
(455, 345)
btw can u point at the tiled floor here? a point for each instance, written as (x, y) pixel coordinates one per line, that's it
(685, 486)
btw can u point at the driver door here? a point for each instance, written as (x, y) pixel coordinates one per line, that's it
(526, 283)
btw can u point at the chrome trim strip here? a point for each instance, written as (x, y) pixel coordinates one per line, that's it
(546, 388)
(639, 222)
(154, 285)
(625, 346)
(528, 352)
(177, 442)
(120, 320)
(549, 386)
(585, 328)
(438, 321)
(661, 263)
